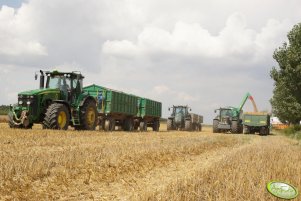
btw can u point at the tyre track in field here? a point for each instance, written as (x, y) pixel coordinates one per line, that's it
(159, 178)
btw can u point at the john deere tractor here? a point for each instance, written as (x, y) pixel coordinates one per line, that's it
(230, 118)
(181, 119)
(59, 102)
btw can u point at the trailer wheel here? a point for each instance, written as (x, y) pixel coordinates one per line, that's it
(200, 127)
(215, 126)
(263, 131)
(169, 124)
(188, 125)
(128, 124)
(56, 117)
(142, 126)
(88, 115)
(109, 124)
(156, 125)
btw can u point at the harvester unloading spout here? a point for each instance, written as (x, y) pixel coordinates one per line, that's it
(248, 96)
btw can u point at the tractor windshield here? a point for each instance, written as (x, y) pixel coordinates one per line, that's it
(58, 82)
(226, 113)
(179, 110)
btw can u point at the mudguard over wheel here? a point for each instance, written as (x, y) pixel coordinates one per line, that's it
(56, 117)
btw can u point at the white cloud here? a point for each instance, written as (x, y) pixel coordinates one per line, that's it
(15, 36)
(235, 40)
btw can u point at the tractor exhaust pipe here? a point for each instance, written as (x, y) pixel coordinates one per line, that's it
(42, 78)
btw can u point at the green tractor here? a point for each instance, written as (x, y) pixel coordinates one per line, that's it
(230, 118)
(60, 102)
(182, 119)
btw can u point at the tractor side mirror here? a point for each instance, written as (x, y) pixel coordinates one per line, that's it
(169, 109)
(190, 109)
(35, 76)
(214, 111)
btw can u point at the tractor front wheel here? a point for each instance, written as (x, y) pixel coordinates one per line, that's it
(188, 125)
(56, 117)
(215, 126)
(170, 124)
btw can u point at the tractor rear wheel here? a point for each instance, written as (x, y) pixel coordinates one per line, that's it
(215, 126)
(143, 126)
(88, 115)
(188, 125)
(234, 127)
(56, 117)
(169, 124)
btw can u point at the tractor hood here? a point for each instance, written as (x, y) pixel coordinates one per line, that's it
(38, 92)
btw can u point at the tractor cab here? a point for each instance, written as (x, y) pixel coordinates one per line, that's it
(69, 84)
(176, 110)
(179, 113)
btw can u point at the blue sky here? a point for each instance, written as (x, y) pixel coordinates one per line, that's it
(200, 53)
(11, 3)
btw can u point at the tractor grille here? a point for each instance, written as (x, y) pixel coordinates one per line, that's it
(28, 101)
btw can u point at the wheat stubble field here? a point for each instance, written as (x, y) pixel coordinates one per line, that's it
(70, 165)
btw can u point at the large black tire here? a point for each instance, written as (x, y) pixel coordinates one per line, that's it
(188, 125)
(263, 131)
(88, 116)
(143, 126)
(234, 127)
(156, 125)
(56, 117)
(215, 126)
(128, 124)
(170, 124)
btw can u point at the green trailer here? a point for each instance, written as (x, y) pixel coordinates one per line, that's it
(256, 122)
(128, 111)
(149, 113)
(115, 108)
